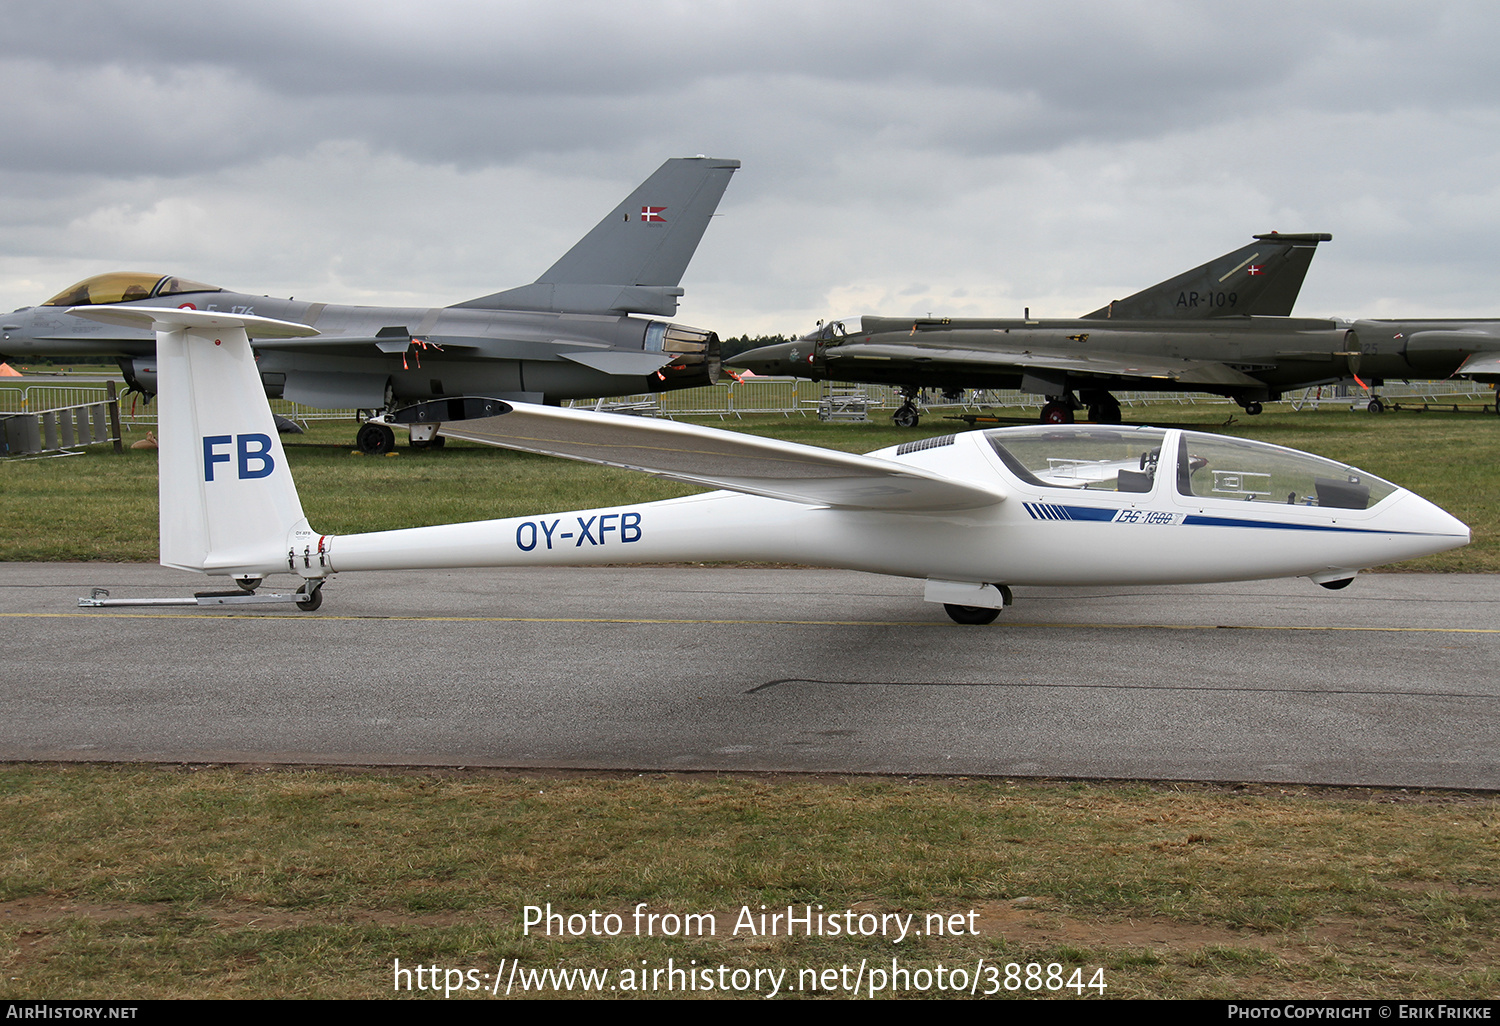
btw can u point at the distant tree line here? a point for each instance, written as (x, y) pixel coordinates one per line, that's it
(729, 347)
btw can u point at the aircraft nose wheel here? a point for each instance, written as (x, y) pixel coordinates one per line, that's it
(906, 416)
(976, 615)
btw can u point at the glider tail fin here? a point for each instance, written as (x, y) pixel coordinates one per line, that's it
(228, 503)
(1261, 279)
(634, 259)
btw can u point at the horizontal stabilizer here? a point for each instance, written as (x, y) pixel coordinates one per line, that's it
(614, 362)
(723, 459)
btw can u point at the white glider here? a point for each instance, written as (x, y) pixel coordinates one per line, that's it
(970, 514)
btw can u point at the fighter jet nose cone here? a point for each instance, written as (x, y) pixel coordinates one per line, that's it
(766, 360)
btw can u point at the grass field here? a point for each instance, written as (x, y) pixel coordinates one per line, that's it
(220, 882)
(131, 882)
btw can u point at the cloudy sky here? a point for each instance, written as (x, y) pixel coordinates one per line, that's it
(950, 158)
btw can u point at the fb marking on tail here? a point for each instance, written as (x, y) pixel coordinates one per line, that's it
(261, 455)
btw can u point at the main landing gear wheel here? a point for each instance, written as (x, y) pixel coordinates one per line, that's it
(1254, 409)
(1377, 405)
(976, 615)
(1105, 411)
(907, 416)
(375, 439)
(1052, 413)
(310, 596)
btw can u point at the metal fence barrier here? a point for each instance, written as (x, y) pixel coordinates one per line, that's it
(42, 426)
(135, 411)
(787, 396)
(783, 396)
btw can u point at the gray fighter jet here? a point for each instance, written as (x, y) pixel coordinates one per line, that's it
(569, 335)
(1223, 328)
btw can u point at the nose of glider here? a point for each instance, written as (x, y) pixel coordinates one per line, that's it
(1423, 527)
(783, 359)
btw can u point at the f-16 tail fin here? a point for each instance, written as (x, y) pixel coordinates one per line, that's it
(634, 259)
(1262, 278)
(228, 504)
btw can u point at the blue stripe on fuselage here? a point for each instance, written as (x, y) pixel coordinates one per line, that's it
(1055, 511)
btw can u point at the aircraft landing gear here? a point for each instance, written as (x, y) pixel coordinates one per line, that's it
(310, 596)
(971, 615)
(1055, 412)
(908, 415)
(1103, 407)
(1251, 408)
(249, 584)
(375, 439)
(435, 442)
(1377, 404)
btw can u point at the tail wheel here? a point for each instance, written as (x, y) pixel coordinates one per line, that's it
(310, 596)
(974, 615)
(1055, 413)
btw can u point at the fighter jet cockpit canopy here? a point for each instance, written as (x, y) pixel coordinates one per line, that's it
(125, 286)
(835, 331)
(1124, 459)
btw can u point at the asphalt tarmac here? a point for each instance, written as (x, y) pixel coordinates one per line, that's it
(1388, 682)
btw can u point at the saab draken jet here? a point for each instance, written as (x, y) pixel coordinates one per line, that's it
(1223, 328)
(569, 335)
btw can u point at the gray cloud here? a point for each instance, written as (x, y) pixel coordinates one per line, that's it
(968, 157)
